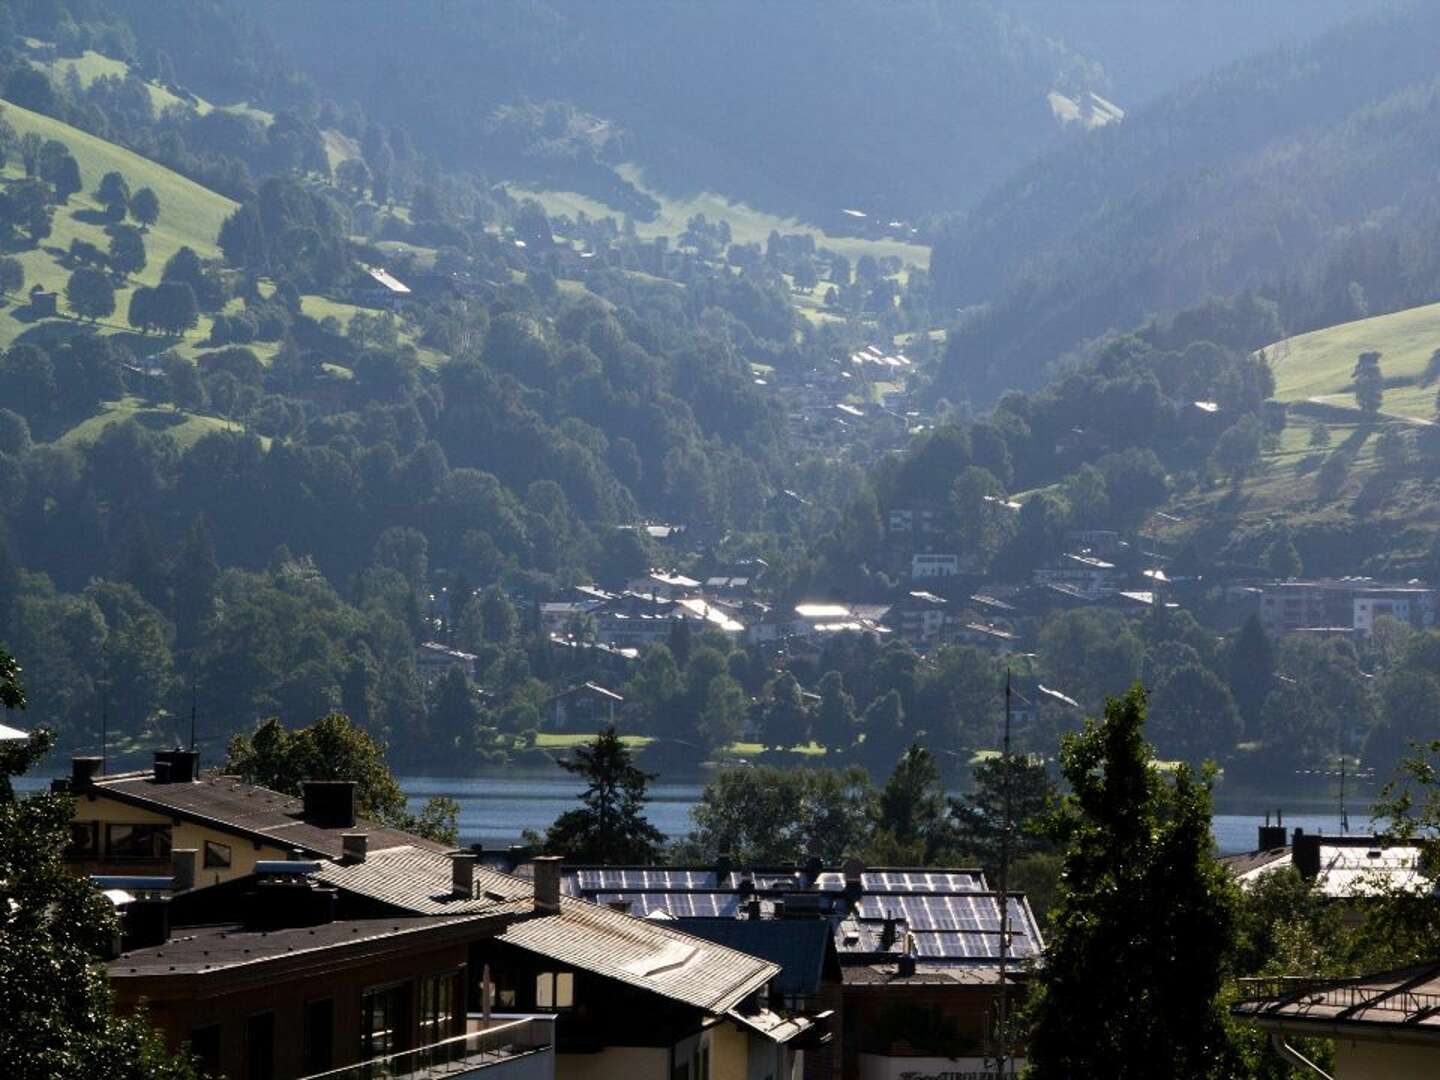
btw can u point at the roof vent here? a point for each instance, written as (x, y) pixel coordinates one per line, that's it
(905, 968)
(888, 932)
(330, 804)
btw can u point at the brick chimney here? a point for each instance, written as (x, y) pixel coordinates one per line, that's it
(83, 770)
(1305, 854)
(1272, 836)
(547, 883)
(354, 846)
(462, 874)
(330, 804)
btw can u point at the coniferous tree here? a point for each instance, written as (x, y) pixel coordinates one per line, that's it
(835, 719)
(979, 814)
(1143, 927)
(610, 826)
(1369, 383)
(1252, 671)
(911, 810)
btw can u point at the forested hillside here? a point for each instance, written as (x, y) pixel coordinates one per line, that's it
(1303, 172)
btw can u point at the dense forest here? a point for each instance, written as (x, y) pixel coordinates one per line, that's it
(241, 477)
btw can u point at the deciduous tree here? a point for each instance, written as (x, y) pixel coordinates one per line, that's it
(90, 294)
(332, 748)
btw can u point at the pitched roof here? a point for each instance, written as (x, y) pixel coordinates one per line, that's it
(797, 945)
(925, 975)
(1246, 866)
(201, 949)
(228, 804)
(418, 880)
(643, 954)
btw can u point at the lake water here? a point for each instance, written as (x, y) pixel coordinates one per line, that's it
(495, 810)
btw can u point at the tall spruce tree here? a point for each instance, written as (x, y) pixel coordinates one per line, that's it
(1143, 926)
(610, 826)
(1252, 672)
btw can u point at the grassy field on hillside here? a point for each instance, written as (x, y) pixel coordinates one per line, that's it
(189, 214)
(747, 224)
(185, 428)
(1318, 364)
(93, 65)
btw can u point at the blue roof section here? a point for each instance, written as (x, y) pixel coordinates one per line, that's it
(797, 945)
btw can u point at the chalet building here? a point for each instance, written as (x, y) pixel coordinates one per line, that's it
(292, 992)
(1086, 574)
(131, 823)
(918, 951)
(987, 637)
(339, 944)
(381, 289)
(914, 519)
(1348, 605)
(662, 585)
(1347, 867)
(927, 566)
(1102, 543)
(433, 659)
(634, 999)
(1383, 1025)
(582, 707)
(919, 617)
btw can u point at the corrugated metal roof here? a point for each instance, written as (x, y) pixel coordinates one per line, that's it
(207, 948)
(656, 958)
(228, 804)
(644, 954)
(419, 880)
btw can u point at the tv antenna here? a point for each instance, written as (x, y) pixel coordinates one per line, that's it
(1003, 1057)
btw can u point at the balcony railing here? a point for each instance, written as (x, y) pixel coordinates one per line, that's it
(456, 1057)
(1351, 995)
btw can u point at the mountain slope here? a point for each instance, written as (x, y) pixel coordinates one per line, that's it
(1252, 177)
(897, 108)
(190, 215)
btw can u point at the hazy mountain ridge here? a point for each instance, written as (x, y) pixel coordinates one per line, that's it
(1255, 175)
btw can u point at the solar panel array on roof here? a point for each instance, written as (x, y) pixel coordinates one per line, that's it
(953, 946)
(908, 881)
(628, 878)
(680, 905)
(981, 911)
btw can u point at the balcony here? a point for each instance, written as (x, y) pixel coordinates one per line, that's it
(509, 1049)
